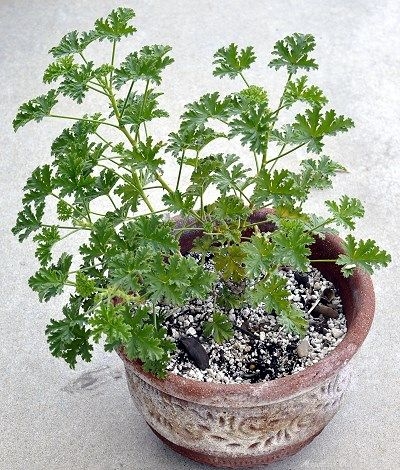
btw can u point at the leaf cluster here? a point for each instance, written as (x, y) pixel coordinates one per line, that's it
(129, 261)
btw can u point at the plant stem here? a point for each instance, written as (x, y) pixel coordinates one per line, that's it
(180, 170)
(107, 142)
(73, 118)
(244, 79)
(326, 222)
(256, 161)
(112, 202)
(322, 260)
(285, 153)
(142, 106)
(126, 100)
(65, 227)
(97, 90)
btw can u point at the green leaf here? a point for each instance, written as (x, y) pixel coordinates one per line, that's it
(140, 109)
(346, 211)
(74, 175)
(190, 138)
(148, 64)
(76, 81)
(39, 185)
(207, 107)
(259, 254)
(219, 327)
(151, 231)
(271, 292)
(85, 286)
(104, 183)
(292, 244)
(49, 282)
(293, 53)
(318, 173)
(109, 321)
(115, 25)
(129, 192)
(202, 174)
(29, 220)
(126, 269)
(227, 176)
(229, 262)
(319, 226)
(35, 109)
(201, 283)
(250, 96)
(253, 125)
(292, 319)
(179, 202)
(103, 241)
(46, 240)
(61, 67)
(176, 279)
(299, 91)
(69, 338)
(229, 208)
(280, 187)
(287, 136)
(73, 43)
(145, 345)
(311, 127)
(364, 254)
(64, 210)
(144, 156)
(148, 342)
(231, 62)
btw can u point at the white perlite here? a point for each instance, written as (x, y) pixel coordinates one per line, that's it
(261, 349)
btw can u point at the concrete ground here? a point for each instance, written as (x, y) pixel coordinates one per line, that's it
(56, 419)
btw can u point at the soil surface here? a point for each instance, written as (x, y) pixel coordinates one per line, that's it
(261, 349)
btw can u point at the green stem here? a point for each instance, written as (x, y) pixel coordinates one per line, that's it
(278, 109)
(242, 194)
(276, 113)
(152, 187)
(180, 170)
(113, 56)
(142, 106)
(97, 90)
(326, 222)
(244, 79)
(68, 234)
(256, 160)
(107, 142)
(65, 227)
(73, 118)
(285, 153)
(112, 202)
(126, 99)
(323, 260)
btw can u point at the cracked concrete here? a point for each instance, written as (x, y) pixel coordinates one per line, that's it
(56, 419)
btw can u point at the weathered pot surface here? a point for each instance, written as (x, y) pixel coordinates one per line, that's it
(244, 425)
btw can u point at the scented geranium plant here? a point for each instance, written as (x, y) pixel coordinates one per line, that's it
(130, 263)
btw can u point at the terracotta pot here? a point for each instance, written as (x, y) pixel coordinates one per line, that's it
(244, 425)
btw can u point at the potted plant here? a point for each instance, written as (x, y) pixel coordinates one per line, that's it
(235, 267)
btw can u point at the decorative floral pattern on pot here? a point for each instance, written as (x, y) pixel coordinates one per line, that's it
(239, 431)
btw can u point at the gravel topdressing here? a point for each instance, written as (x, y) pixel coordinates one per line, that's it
(261, 348)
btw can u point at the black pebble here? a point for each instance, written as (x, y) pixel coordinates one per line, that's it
(195, 351)
(301, 279)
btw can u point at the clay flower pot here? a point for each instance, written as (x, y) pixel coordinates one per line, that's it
(244, 425)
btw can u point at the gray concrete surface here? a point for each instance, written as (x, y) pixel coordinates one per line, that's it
(57, 419)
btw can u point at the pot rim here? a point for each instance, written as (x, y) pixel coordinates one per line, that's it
(360, 286)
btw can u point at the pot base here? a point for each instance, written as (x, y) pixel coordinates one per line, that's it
(236, 462)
